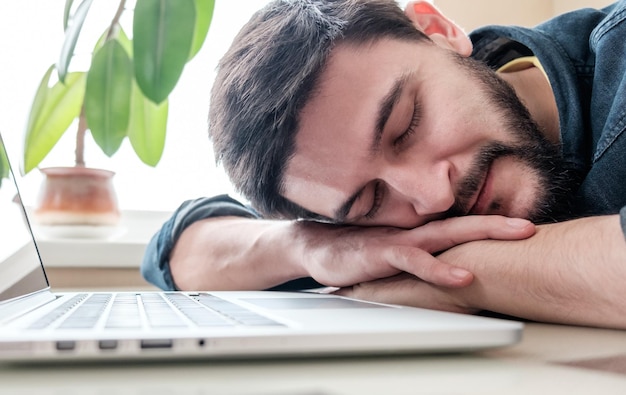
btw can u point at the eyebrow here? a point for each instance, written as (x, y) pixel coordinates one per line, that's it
(384, 112)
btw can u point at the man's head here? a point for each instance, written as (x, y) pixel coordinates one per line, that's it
(353, 112)
(268, 75)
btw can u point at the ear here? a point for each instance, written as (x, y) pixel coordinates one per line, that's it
(440, 29)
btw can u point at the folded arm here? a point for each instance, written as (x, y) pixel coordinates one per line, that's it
(572, 272)
(223, 251)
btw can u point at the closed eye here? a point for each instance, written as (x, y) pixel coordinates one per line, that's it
(401, 140)
(379, 193)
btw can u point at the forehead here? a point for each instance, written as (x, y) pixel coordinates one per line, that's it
(336, 124)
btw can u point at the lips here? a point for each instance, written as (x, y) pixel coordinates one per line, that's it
(483, 198)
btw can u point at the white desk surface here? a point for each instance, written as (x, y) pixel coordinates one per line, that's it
(550, 360)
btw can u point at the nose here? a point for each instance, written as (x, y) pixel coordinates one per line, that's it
(429, 191)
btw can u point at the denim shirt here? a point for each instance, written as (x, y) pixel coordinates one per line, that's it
(584, 56)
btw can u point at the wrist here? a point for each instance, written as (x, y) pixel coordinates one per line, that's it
(279, 243)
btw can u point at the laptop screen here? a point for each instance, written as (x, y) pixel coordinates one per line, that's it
(21, 271)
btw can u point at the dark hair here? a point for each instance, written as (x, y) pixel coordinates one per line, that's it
(270, 72)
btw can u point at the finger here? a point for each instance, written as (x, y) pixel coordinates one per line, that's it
(441, 235)
(426, 267)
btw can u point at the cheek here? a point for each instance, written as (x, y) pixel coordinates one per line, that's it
(461, 110)
(398, 217)
(396, 212)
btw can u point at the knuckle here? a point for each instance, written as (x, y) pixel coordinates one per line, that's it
(401, 254)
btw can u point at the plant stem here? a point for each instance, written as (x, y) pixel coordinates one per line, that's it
(116, 19)
(80, 139)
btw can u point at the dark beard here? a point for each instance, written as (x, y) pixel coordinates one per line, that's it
(543, 158)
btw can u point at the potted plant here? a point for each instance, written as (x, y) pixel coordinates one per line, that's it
(123, 94)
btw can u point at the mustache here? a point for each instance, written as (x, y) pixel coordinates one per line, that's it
(469, 185)
(543, 159)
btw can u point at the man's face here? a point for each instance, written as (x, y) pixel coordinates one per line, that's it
(401, 133)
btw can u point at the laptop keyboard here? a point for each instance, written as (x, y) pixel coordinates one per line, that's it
(149, 310)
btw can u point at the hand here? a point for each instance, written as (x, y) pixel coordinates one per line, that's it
(344, 255)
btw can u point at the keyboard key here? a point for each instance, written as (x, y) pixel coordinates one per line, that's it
(161, 314)
(88, 313)
(51, 317)
(124, 313)
(197, 313)
(237, 313)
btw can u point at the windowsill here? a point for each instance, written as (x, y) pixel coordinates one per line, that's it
(123, 247)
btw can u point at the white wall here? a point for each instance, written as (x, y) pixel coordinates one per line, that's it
(471, 14)
(31, 38)
(561, 6)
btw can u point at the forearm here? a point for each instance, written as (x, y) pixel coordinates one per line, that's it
(239, 253)
(232, 253)
(572, 272)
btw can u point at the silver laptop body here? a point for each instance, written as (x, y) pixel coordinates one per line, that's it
(37, 324)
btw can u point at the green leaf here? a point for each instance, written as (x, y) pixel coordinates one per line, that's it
(107, 96)
(204, 14)
(162, 34)
(120, 36)
(39, 100)
(123, 39)
(4, 163)
(71, 37)
(147, 127)
(52, 112)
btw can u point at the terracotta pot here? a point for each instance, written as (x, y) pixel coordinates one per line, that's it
(77, 196)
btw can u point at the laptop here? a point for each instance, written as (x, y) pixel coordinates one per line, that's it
(37, 324)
